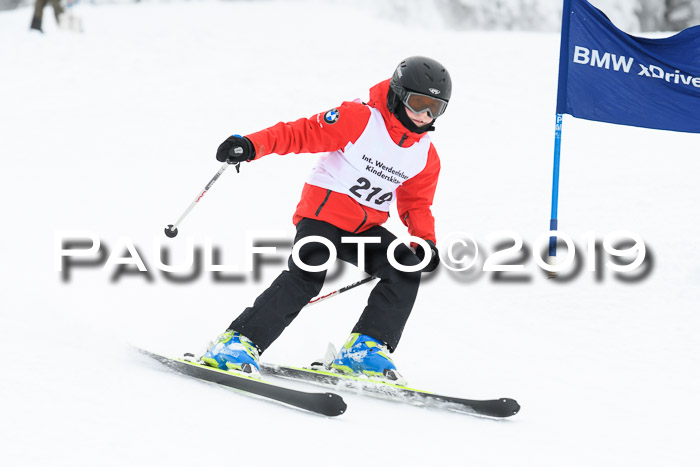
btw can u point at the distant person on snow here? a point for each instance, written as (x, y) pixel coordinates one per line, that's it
(375, 153)
(39, 12)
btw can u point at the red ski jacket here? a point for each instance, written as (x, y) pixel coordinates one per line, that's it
(312, 135)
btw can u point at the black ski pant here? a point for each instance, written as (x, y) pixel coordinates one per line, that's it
(39, 10)
(388, 306)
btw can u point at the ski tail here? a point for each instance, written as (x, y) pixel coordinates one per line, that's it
(496, 408)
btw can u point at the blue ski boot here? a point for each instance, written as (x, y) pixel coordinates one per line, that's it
(364, 355)
(233, 351)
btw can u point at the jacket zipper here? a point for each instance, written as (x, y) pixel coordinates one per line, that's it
(328, 194)
(363, 220)
(403, 138)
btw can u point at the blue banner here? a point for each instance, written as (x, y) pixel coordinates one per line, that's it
(610, 76)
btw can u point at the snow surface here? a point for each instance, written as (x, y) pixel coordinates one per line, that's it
(114, 132)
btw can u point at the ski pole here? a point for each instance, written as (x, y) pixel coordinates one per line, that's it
(171, 229)
(339, 291)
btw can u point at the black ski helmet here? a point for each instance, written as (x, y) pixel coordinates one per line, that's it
(422, 75)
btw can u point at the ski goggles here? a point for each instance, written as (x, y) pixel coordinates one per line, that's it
(419, 103)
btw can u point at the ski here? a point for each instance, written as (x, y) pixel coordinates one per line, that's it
(496, 408)
(328, 404)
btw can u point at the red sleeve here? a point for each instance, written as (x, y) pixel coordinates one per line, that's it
(415, 196)
(324, 132)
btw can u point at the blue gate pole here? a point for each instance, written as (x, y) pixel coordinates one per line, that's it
(553, 222)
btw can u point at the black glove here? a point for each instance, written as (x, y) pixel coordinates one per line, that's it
(235, 149)
(434, 260)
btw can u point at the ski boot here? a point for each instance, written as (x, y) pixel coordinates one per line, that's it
(233, 351)
(36, 24)
(364, 355)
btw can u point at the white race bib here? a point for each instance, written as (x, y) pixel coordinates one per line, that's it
(371, 170)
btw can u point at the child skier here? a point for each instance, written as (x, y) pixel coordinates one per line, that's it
(375, 153)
